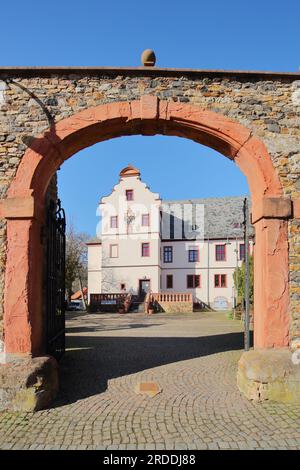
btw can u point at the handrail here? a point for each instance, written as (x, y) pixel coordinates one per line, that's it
(107, 296)
(148, 299)
(127, 302)
(172, 297)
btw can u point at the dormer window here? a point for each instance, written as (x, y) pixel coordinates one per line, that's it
(129, 194)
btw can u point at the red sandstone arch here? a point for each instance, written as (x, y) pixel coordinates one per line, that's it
(24, 207)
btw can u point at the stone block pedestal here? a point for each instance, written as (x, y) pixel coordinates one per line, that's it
(270, 374)
(28, 384)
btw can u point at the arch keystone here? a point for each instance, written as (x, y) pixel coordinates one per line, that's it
(149, 107)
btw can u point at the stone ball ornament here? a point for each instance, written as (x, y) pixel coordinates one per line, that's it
(148, 58)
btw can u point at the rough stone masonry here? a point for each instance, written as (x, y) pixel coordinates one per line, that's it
(268, 104)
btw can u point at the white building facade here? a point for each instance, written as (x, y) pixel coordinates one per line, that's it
(146, 244)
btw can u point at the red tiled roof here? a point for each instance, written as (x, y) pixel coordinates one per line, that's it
(77, 295)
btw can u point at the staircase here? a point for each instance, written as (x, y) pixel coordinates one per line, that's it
(137, 305)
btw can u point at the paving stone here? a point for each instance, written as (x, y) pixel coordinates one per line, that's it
(200, 406)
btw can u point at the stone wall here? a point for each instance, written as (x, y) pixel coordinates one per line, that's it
(28, 385)
(175, 307)
(32, 101)
(294, 282)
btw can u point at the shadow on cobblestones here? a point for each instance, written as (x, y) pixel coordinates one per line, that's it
(97, 327)
(92, 361)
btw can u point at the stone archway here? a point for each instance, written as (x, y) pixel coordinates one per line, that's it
(24, 208)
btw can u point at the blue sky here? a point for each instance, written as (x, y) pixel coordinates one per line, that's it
(228, 34)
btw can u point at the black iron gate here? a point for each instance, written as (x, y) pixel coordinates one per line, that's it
(55, 280)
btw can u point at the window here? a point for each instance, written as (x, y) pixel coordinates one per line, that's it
(193, 254)
(193, 281)
(129, 194)
(242, 251)
(123, 286)
(145, 249)
(168, 254)
(114, 221)
(221, 252)
(169, 281)
(113, 251)
(172, 225)
(197, 280)
(145, 220)
(220, 280)
(190, 281)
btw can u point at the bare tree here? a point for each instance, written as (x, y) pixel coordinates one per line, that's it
(76, 260)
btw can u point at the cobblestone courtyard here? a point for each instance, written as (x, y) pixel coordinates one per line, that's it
(194, 360)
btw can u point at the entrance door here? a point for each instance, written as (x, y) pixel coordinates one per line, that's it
(144, 288)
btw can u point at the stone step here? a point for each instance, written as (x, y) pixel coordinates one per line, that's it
(137, 307)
